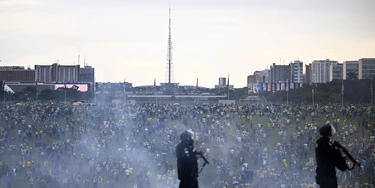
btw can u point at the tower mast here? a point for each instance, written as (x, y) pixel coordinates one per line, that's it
(169, 77)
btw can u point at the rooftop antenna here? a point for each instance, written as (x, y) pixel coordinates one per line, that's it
(84, 61)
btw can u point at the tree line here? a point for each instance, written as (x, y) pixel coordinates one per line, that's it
(355, 92)
(31, 94)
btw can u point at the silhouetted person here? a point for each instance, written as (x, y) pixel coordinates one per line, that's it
(187, 164)
(326, 158)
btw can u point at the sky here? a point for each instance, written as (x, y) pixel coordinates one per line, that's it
(128, 40)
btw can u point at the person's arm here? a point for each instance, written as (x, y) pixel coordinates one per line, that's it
(330, 153)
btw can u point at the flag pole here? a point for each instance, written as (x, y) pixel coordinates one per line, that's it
(36, 89)
(313, 94)
(65, 92)
(4, 90)
(287, 92)
(342, 93)
(3, 87)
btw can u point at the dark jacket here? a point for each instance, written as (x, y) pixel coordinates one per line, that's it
(326, 158)
(187, 164)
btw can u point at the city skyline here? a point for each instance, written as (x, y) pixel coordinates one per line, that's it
(124, 39)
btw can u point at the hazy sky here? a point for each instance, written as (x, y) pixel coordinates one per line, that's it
(211, 38)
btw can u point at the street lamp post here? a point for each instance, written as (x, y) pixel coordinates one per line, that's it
(287, 97)
(4, 92)
(36, 99)
(287, 92)
(65, 95)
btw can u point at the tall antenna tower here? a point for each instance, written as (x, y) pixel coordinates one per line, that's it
(169, 75)
(169, 87)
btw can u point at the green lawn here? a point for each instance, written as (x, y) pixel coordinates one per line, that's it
(207, 176)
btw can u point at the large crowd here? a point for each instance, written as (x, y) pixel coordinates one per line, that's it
(50, 144)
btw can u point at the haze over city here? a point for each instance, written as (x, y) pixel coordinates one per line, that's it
(128, 39)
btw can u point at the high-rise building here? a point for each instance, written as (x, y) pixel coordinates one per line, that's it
(262, 76)
(87, 75)
(251, 83)
(321, 70)
(279, 73)
(336, 72)
(222, 81)
(17, 74)
(251, 79)
(296, 72)
(57, 73)
(43, 73)
(308, 74)
(350, 70)
(67, 73)
(366, 68)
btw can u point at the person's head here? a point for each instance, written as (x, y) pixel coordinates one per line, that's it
(327, 130)
(187, 137)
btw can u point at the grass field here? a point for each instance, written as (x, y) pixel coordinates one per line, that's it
(207, 176)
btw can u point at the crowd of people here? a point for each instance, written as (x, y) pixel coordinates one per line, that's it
(50, 144)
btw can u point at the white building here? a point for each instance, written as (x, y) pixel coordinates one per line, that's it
(336, 72)
(296, 72)
(366, 68)
(68, 73)
(57, 73)
(321, 70)
(222, 81)
(43, 73)
(262, 76)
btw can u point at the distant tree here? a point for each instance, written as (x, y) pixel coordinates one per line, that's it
(73, 94)
(27, 94)
(48, 94)
(88, 96)
(352, 76)
(355, 91)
